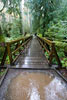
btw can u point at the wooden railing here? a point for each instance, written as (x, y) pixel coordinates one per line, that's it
(18, 45)
(49, 47)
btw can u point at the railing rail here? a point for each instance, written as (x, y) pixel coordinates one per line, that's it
(22, 42)
(49, 47)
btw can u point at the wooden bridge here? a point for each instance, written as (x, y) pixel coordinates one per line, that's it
(30, 69)
(29, 52)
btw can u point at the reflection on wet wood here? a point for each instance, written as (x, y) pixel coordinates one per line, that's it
(33, 56)
(28, 86)
(35, 86)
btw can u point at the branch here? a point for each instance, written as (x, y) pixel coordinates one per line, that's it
(3, 6)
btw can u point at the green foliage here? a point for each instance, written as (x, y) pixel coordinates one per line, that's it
(57, 31)
(2, 39)
(61, 45)
(1, 48)
(47, 55)
(15, 28)
(64, 62)
(2, 72)
(40, 35)
(7, 60)
(42, 11)
(11, 31)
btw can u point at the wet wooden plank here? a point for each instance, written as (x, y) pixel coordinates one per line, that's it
(33, 57)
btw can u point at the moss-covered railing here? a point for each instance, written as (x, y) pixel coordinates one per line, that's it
(13, 49)
(49, 47)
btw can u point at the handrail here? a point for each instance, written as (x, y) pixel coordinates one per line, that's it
(49, 47)
(19, 47)
(17, 40)
(46, 40)
(22, 42)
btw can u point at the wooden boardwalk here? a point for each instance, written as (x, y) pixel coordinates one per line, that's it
(31, 75)
(32, 57)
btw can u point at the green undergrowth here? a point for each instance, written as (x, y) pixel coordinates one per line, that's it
(13, 38)
(63, 59)
(61, 48)
(39, 34)
(13, 46)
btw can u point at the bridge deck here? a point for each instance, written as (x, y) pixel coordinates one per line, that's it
(33, 84)
(32, 57)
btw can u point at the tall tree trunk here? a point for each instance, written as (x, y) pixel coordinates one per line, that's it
(21, 30)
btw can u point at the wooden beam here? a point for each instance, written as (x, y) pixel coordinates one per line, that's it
(9, 53)
(4, 56)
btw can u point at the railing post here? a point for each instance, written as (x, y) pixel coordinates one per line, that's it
(52, 51)
(57, 57)
(50, 58)
(9, 53)
(4, 56)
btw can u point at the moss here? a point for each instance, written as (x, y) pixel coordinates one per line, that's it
(2, 39)
(61, 45)
(64, 62)
(39, 34)
(2, 72)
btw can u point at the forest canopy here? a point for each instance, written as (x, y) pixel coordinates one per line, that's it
(49, 16)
